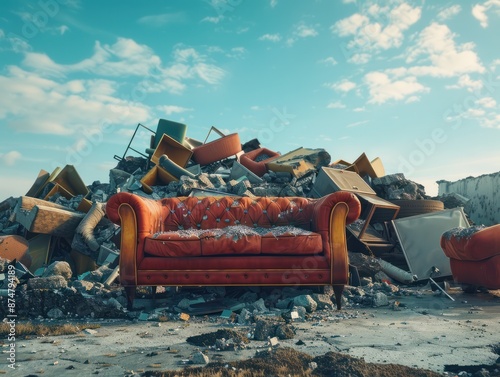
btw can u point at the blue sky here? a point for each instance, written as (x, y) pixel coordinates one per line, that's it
(415, 83)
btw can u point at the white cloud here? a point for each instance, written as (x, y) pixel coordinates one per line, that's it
(382, 88)
(486, 102)
(328, 61)
(479, 11)
(273, 3)
(63, 29)
(376, 28)
(342, 86)
(173, 109)
(359, 109)
(304, 31)
(40, 105)
(126, 58)
(158, 20)
(350, 25)
(10, 158)
(356, 124)
(465, 81)
(484, 111)
(436, 45)
(335, 105)
(270, 37)
(213, 20)
(449, 12)
(361, 58)
(255, 108)
(413, 99)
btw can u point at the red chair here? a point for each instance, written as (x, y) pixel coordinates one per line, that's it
(255, 160)
(474, 255)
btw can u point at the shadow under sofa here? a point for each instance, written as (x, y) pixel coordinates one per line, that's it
(233, 241)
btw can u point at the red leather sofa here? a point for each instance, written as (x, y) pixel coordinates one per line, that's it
(474, 255)
(267, 241)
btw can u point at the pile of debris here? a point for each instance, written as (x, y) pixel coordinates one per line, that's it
(65, 250)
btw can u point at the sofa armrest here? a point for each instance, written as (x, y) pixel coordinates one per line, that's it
(323, 207)
(331, 214)
(138, 217)
(147, 211)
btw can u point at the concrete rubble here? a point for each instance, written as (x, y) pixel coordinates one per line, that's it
(74, 249)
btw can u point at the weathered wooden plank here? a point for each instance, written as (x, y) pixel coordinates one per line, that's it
(27, 203)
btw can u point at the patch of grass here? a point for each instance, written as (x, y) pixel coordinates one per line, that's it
(27, 329)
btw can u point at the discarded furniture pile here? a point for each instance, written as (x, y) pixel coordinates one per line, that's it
(62, 219)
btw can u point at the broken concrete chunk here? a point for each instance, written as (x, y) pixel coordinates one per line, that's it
(380, 299)
(200, 358)
(60, 268)
(323, 301)
(300, 161)
(273, 341)
(51, 282)
(260, 306)
(307, 302)
(55, 313)
(205, 181)
(244, 317)
(82, 285)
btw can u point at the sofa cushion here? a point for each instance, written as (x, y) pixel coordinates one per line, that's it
(174, 244)
(290, 240)
(234, 240)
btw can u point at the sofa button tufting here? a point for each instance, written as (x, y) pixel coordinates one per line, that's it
(165, 276)
(207, 276)
(148, 277)
(186, 276)
(266, 276)
(245, 276)
(228, 276)
(320, 276)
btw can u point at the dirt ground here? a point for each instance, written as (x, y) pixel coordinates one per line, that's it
(428, 336)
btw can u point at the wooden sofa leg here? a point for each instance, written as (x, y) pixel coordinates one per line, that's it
(338, 289)
(130, 293)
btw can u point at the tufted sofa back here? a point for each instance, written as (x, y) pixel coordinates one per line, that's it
(211, 212)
